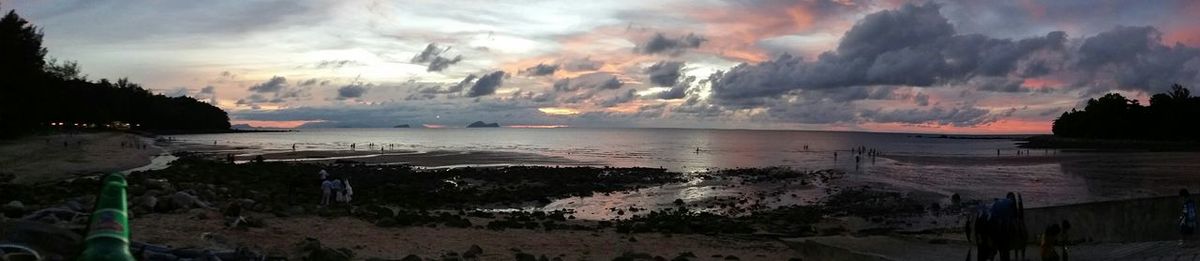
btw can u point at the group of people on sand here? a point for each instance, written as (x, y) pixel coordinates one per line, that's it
(999, 232)
(334, 190)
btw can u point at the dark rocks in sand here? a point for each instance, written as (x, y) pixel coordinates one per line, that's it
(473, 252)
(411, 258)
(13, 209)
(481, 124)
(311, 249)
(401, 126)
(633, 256)
(521, 256)
(53, 242)
(184, 200)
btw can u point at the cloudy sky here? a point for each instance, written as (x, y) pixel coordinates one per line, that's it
(975, 66)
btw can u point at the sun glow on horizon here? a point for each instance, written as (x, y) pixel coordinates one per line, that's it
(558, 111)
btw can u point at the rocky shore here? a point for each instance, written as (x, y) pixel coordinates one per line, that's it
(189, 205)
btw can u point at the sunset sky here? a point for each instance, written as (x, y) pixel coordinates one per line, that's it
(977, 66)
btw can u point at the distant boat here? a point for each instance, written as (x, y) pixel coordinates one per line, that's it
(401, 126)
(481, 124)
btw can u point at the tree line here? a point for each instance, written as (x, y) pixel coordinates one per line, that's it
(1174, 116)
(39, 94)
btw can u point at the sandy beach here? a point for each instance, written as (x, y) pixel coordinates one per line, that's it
(369, 241)
(38, 159)
(857, 211)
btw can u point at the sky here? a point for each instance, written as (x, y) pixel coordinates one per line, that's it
(972, 66)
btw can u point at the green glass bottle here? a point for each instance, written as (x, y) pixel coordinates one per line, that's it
(108, 229)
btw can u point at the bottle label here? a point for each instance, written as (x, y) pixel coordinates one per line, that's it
(108, 222)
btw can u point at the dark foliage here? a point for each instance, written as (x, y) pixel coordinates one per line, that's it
(35, 92)
(1170, 116)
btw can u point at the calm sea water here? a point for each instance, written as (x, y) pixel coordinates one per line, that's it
(670, 148)
(911, 162)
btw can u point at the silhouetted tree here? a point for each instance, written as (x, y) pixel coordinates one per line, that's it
(1172, 115)
(35, 92)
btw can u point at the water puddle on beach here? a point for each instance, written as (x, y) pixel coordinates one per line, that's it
(161, 161)
(720, 196)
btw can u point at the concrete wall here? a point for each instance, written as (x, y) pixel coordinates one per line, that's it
(1150, 219)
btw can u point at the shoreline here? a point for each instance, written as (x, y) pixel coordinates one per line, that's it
(50, 158)
(1107, 145)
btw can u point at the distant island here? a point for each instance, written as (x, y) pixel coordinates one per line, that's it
(39, 95)
(401, 126)
(481, 124)
(1115, 122)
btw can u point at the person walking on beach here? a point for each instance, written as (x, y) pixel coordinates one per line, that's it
(1187, 217)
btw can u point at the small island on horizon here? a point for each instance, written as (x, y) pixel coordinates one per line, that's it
(481, 124)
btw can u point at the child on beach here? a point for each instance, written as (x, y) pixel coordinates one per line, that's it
(1187, 217)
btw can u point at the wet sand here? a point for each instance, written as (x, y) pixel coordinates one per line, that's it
(39, 159)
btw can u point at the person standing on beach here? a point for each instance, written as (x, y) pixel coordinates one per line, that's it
(1187, 217)
(337, 190)
(326, 191)
(347, 191)
(323, 174)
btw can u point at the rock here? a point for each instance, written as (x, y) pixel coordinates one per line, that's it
(311, 249)
(203, 214)
(473, 252)
(53, 242)
(184, 200)
(732, 257)
(13, 209)
(247, 202)
(53, 215)
(159, 184)
(520, 256)
(145, 202)
(73, 204)
(411, 258)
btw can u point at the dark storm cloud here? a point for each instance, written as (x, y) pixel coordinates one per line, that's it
(664, 73)
(679, 90)
(912, 46)
(351, 91)
(313, 82)
(207, 89)
(620, 98)
(486, 85)
(957, 116)
(1136, 59)
(432, 55)
(454, 88)
(588, 81)
(275, 84)
(540, 70)
(661, 44)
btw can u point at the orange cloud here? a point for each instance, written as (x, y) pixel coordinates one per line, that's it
(1004, 126)
(735, 31)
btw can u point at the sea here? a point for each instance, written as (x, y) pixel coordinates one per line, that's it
(974, 166)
